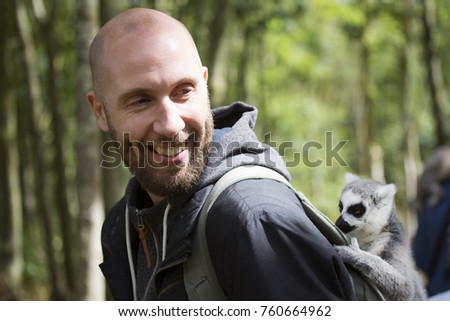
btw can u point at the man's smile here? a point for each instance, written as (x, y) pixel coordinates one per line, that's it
(169, 151)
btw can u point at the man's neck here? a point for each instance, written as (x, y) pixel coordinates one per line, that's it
(156, 198)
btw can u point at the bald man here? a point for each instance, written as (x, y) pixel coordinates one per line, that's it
(150, 93)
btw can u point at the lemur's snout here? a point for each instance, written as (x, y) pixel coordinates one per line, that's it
(344, 226)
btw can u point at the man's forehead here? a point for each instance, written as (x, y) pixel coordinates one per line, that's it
(157, 40)
(150, 51)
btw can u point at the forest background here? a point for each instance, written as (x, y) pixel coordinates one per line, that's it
(341, 85)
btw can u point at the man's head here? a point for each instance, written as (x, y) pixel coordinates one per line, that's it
(150, 92)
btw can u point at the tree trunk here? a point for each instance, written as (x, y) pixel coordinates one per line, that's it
(11, 258)
(47, 28)
(434, 71)
(35, 107)
(361, 112)
(410, 140)
(242, 69)
(216, 29)
(376, 153)
(91, 209)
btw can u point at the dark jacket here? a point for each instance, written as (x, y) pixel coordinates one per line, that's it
(431, 246)
(262, 245)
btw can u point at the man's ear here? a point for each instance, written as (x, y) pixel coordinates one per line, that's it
(205, 73)
(98, 109)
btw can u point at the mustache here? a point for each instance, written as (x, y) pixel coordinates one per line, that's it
(178, 139)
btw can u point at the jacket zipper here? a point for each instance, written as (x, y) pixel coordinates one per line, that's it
(142, 232)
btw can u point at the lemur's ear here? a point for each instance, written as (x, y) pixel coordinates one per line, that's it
(386, 191)
(349, 177)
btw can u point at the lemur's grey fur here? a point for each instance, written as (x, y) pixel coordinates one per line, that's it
(368, 215)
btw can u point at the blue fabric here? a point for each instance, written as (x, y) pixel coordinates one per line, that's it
(218, 133)
(431, 244)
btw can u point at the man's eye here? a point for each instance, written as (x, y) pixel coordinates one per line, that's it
(183, 93)
(140, 102)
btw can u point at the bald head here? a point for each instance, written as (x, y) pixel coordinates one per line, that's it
(136, 22)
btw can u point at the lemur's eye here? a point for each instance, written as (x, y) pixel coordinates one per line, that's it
(357, 210)
(340, 206)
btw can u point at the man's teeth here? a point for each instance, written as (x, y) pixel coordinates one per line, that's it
(168, 151)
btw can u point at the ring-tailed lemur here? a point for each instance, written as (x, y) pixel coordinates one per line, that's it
(368, 217)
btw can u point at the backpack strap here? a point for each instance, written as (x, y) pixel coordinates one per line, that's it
(199, 275)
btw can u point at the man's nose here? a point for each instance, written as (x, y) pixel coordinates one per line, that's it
(169, 121)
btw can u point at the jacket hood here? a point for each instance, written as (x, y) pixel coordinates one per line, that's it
(236, 144)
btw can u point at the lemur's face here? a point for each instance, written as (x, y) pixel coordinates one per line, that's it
(364, 206)
(352, 211)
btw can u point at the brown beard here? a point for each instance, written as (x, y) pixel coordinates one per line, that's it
(162, 181)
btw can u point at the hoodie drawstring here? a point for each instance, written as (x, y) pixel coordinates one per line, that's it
(129, 253)
(164, 243)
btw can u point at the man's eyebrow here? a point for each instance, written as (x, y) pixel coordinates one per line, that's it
(185, 80)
